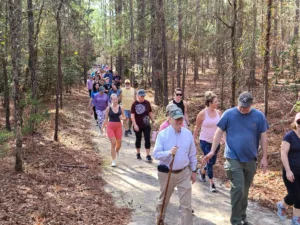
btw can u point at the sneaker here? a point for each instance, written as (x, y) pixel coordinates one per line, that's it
(138, 156)
(180, 210)
(126, 133)
(148, 158)
(129, 131)
(295, 221)
(281, 212)
(114, 163)
(202, 176)
(212, 188)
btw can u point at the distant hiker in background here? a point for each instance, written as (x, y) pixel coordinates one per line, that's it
(89, 84)
(128, 97)
(115, 90)
(100, 101)
(107, 85)
(117, 79)
(182, 105)
(95, 91)
(114, 114)
(290, 157)
(245, 128)
(207, 120)
(141, 114)
(109, 75)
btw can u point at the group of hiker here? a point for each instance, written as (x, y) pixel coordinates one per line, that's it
(241, 129)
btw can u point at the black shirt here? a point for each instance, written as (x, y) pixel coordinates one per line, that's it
(114, 117)
(117, 79)
(180, 105)
(294, 152)
(107, 87)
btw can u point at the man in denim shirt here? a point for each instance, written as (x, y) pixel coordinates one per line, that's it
(244, 127)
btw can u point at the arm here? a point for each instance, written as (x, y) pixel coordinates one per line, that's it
(121, 95)
(135, 126)
(151, 117)
(122, 117)
(285, 148)
(264, 145)
(186, 116)
(193, 161)
(106, 119)
(216, 141)
(199, 121)
(158, 151)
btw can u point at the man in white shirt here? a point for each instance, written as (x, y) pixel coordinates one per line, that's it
(178, 141)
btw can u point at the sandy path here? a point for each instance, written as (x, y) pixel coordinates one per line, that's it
(134, 184)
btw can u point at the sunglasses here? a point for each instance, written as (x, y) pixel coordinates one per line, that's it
(178, 94)
(127, 83)
(298, 122)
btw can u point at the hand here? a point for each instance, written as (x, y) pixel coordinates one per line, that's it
(290, 176)
(193, 177)
(91, 112)
(264, 164)
(135, 127)
(173, 150)
(207, 157)
(222, 142)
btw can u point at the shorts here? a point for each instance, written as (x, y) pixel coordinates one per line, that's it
(127, 113)
(114, 130)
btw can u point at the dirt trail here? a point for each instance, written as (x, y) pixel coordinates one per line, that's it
(134, 184)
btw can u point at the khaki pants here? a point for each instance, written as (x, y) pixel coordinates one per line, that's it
(182, 181)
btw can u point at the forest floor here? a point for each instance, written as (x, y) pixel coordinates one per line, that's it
(71, 182)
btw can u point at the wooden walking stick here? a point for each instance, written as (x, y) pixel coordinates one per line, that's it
(167, 186)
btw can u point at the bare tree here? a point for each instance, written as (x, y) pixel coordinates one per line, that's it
(179, 42)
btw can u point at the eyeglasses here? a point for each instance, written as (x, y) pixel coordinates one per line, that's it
(127, 83)
(177, 94)
(298, 122)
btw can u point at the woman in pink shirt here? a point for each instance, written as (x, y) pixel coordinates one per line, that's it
(207, 119)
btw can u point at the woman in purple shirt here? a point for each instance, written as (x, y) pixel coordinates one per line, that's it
(100, 101)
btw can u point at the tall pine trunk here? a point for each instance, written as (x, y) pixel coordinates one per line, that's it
(179, 42)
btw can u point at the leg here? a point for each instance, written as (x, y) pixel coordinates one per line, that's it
(138, 139)
(249, 172)
(235, 174)
(184, 187)
(118, 134)
(95, 114)
(113, 147)
(163, 178)
(147, 132)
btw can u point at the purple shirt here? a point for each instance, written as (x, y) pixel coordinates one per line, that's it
(89, 84)
(100, 101)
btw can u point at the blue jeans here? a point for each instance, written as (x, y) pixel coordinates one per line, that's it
(206, 147)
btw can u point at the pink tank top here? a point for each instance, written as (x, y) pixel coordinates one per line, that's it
(209, 127)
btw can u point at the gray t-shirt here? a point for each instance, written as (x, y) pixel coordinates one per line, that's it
(242, 133)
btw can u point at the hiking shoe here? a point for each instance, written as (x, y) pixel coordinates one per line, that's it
(114, 163)
(202, 176)
(295, 220)
(245, 222)
(126, 133)
(281, 212)
(149, 159)
(180, 210)
(212, 188)
(138, 156)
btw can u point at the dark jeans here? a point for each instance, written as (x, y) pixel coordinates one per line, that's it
(90, 93)
(95, 114)
(293, 189)
(206, 147)
(138, 137)
(240, 175)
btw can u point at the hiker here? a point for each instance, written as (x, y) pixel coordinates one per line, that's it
(115, 90)
(207, 119)
(176, 141)
(100, 101)
(114, 114)
(107, 85)
(95, 91)
(117, 79)
(89, 84)
(109, 75)
(166, 123)
(141, 113)
(290, 157)
(177, 100)
(244, 127)
(127, 98)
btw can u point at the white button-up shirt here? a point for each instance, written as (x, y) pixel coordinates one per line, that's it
(186, 153)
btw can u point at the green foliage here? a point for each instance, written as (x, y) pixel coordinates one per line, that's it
(297, 106)
(5, 135)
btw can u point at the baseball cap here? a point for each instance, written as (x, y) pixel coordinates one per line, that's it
(101, 88)
(127, 81)
(141, 92)
(176, 113)
(245, 99)
(171, 107)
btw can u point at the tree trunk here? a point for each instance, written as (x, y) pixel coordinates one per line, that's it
(59, 70)
(179, 42)
(119, 60)
(141, 35)
(296, 38)
(275, 36)
(164, 52)
(132, 61)
(197, 48)
(15, 7)
(267, 57)
(282, 30)
(251, 80)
